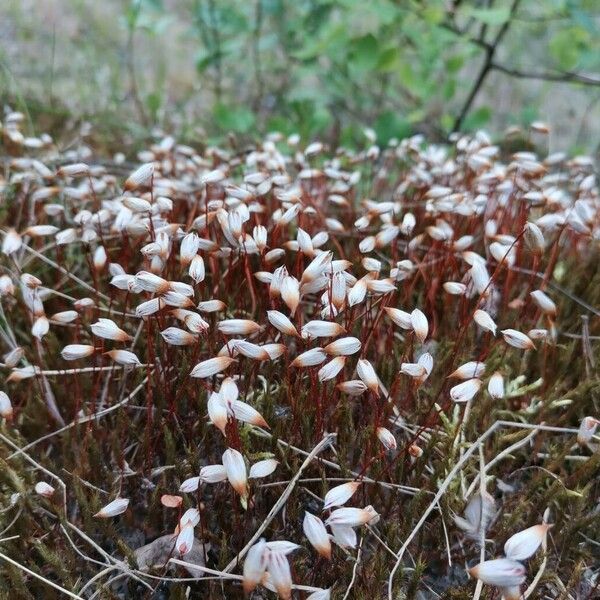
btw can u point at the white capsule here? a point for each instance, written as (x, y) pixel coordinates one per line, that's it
(150, 307)
(140, 177)
(6, 409)
(213, 474)
(496, 386)
(545, 303)
(340, 494)
(185, 540)
(108, 329)
(310, 358)
(465, 391)
(316, 329)
(402, 318)
(344, 536)
(315, 532)
(524, 544)
(210, 306)
(254, 566)
(263, 468)
(11, 243)
(235, 468)
(124, 357)
(366, 372)
(501, 572)
(352, 517)
(455, 288)
(343, 346)
(114, 508)
(354, 387)
(44, 489)
(331, 369)
(238, 327)
(290, 293)
(188, 249)
(76, 351)
(281, 322)
(484, 321)
(517, 339)
(212, 366)
(469, 370)
(178, 337)
(40, 327)
(386, 437)
(280, 574)
(67, 316)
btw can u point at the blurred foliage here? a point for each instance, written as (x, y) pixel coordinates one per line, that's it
(332, 66)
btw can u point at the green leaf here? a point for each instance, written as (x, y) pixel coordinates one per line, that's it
(238, 119)
(567, 45)
(489, 16)
(365, 53)
(478, 118)
(389, 125)
(388, 60)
